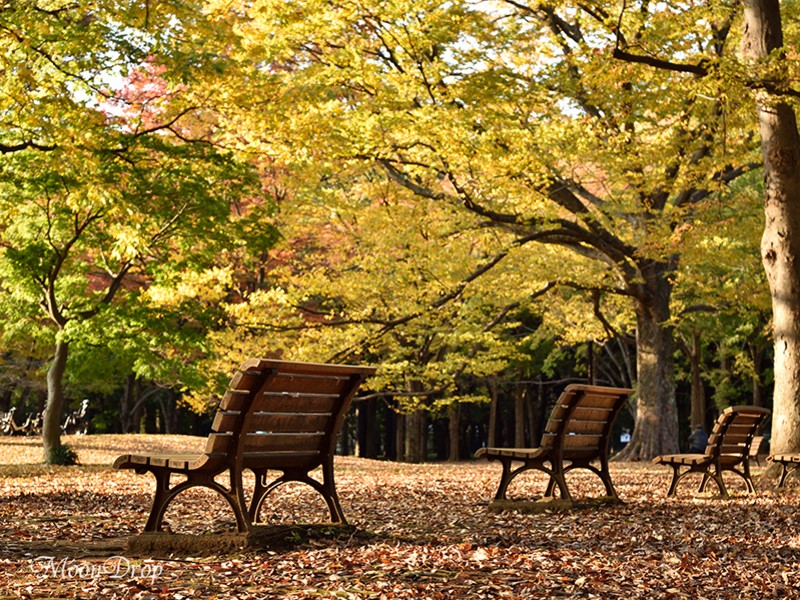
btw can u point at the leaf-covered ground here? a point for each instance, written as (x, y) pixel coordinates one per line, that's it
(421, 531)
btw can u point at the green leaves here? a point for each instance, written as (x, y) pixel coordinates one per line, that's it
(113, 180)
(424, 147)
(419, 152)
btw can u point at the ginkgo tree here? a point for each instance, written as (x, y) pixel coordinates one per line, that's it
(759, 60)
(523, 115)
(368, 273)
(367, 284)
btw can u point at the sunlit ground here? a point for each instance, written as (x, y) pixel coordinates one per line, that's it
(423, 531)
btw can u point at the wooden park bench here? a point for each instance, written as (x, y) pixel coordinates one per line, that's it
(276, 415)
(577, 434)
(789, 462)
(728, 448)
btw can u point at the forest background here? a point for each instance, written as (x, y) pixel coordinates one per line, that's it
(488, 200)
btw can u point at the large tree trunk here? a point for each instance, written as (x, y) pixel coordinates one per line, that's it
(416, 438)
(656, 426)
(780, 243)
(51, 421)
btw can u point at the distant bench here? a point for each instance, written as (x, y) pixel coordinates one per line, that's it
(789, 462)
(276, 415)
(576, 435)
(729, 448)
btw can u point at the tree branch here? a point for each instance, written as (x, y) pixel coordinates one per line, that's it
(8, 148)
(699, 69)
(774, 88)
(514, 305)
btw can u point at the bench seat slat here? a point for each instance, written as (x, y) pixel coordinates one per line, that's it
(219, 443)
(180, 462)
(245, 380)
(729, 447)
(234, 400)
(598, 401)
(582, 441)
(283, 460)
(745, 420)
(730, 438)
(573, 441)
(785, 458)
(521, 453)
(743, 424)
(291, 423)
(256, 456)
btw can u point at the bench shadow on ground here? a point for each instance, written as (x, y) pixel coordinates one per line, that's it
(84, 524)
(272, 538)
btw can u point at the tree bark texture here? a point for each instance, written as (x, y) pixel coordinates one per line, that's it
(656, 426)
(416, 438)
(780, 242)
(51, 421)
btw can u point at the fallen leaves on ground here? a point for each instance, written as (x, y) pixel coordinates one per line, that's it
(421, 531)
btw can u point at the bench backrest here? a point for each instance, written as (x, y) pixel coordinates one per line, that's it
(734, 431)
(280, 414)
(580, 423)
